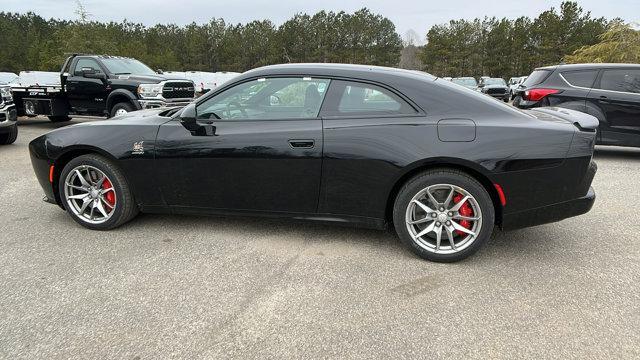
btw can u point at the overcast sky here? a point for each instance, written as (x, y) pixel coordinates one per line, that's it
(418, 15)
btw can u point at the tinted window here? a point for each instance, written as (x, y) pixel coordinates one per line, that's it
(621, 80)
(86, 63)
(355, 98)
(536, 77)
(582, 78)
(267, 98)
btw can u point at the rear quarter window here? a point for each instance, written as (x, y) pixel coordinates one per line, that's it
(582, 78)
(536, 77)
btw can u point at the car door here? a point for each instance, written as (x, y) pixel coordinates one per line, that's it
(263, 151)
(361, 121)
(617, 93)
(86, 95)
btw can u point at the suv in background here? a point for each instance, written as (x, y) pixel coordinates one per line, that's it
(514, 84)
(610, 92)
(495, 87)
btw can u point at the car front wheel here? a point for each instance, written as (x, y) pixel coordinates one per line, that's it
(95, 193)
(443, 215)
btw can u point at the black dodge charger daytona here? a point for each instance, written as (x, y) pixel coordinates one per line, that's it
(344, 143)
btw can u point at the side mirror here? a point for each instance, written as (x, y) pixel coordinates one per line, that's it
(188, 118)
(92, 73)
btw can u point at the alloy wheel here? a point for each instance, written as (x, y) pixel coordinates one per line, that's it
(443, 219)
(90, 195)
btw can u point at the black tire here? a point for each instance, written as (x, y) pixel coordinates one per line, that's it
(126, 106)
(10, 137)
(126, 208)
(443, 176)
(56, 119)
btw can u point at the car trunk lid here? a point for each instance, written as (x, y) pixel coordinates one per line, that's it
(582, 121)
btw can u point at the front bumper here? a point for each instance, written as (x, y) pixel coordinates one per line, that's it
(550, 213)
(8, 117)
(158, 103)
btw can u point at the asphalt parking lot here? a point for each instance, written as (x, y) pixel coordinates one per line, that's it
(213, 287)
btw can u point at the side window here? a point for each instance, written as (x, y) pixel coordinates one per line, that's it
(86, 63)
(267, 99)
(621, 80)
(354, 98)
(582, 78)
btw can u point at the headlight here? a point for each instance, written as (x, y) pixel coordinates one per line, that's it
(149, 90)
(5, 93)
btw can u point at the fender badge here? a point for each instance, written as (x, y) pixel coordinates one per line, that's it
(138, 148)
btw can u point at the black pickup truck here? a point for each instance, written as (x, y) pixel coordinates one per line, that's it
(102, 85)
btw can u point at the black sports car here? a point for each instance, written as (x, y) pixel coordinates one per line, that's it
(343, 143)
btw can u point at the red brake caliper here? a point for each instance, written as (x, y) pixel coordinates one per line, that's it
(109, 196)
(465, 210)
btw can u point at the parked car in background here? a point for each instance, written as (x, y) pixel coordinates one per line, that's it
(344, 143)
(514, 83)
(495, 87)
(468, 82)
(610, 92)
(98, 85)
(8, 78)
(8, 117)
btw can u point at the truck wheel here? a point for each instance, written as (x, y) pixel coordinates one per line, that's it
(62, 118)
(121, 109)
(10, 137)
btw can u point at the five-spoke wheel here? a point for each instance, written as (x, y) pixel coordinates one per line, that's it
(95, 192)
(89, 194)
(444, 215)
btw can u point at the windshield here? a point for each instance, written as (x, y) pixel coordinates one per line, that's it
(494, 81)
(121, 66)
(6, 78)
(465, 81)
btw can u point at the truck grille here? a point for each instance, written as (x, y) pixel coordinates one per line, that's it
(178, 90)
(496, 91)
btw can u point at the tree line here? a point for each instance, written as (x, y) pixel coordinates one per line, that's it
(31, 42)
(483, 46)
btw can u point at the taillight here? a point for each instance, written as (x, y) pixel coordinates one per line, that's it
(538, 94)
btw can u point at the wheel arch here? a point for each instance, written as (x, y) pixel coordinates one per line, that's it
(468, 167)
(69, 154)
(121, 95)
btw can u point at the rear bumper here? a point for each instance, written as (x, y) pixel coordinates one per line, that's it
(550, 213)
(524, 104)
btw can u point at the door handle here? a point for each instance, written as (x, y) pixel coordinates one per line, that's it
(301, 144)
(604, 99)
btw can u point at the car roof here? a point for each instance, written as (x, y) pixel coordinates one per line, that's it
(588, 66)
(328, 69)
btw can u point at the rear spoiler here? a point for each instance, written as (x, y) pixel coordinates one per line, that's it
(582, 121)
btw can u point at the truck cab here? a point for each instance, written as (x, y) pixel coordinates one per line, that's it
(102, 85)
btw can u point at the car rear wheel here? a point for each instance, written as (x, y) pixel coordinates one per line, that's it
(10, 137)
(443, 215)
(95, 193)
(121, 109)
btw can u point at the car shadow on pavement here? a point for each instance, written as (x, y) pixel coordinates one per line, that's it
(502, 246)
(616, 153)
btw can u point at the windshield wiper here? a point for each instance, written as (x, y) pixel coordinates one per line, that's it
(122, 74)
